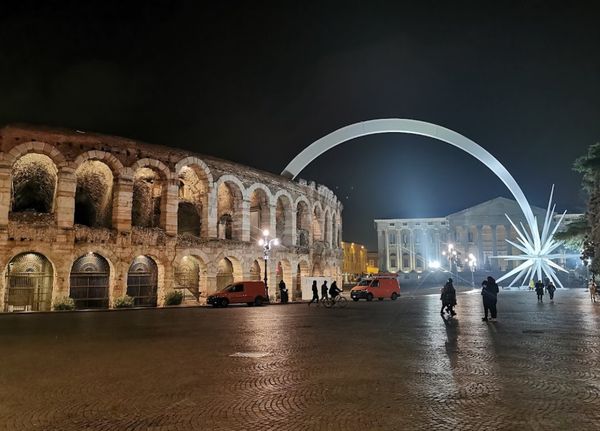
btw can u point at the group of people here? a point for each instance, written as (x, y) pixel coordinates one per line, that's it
(539, 288)
(332, 291)
(489, 293)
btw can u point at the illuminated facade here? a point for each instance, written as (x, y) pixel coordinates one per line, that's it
(412, 244)
(355, 258)
(96, 217)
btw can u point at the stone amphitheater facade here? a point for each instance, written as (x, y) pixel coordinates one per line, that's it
(96, 217)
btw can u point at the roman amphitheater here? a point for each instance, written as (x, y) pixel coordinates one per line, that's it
(96, 217)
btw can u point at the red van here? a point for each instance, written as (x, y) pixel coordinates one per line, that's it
(379, 287)
(243, 292)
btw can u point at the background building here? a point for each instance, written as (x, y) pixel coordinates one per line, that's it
(96, 217)
(355, 260)
(372, 262)
(408, 245)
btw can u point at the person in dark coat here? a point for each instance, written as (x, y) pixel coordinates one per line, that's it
(324, 290)
(489, 292)
(448, 298)
(539, 290)
(315, 292)
(551, 288)
(283, 292)
(334, 290)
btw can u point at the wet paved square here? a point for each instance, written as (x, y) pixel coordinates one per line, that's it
(380, 365)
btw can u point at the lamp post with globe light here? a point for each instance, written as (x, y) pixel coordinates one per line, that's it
(267, 244)
(453, 258)
(472, 262)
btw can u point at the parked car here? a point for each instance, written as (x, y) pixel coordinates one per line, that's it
(377, 287)
(243, 292)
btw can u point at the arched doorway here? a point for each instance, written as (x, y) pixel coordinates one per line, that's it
(224, 273)
(255, 272)
(89, 281)
(301, 272)
(189, 276)
(29, 283)
(142, 282)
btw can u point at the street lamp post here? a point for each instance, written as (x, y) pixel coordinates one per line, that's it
(472, 262)
(453, 258)
(266, 244)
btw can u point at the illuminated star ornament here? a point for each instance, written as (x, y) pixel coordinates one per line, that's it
(537, 248)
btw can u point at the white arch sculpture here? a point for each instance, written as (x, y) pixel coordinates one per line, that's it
(537, 248)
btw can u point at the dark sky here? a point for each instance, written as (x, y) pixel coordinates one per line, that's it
(256, 83)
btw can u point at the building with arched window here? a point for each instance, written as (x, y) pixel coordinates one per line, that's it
(95, 217)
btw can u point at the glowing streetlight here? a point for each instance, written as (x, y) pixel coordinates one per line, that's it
(266, 244)
(472, 262)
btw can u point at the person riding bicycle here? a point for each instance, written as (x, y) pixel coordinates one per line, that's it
(334, 290)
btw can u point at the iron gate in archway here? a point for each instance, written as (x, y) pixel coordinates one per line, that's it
(89, 282)
(142, 282)
(29, 278)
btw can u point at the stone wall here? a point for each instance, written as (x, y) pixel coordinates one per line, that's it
(96, 195)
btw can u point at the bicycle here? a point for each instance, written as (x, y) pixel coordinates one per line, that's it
(339, 300)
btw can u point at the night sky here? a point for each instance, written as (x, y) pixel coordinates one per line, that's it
(256, 83)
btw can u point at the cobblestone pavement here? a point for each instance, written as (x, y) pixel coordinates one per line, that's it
(372, 366)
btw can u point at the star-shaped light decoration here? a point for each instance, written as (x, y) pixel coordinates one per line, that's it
(537, 248)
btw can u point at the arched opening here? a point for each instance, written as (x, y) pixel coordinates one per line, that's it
(259, 213)
(301, 272)
(229, 211)
(226, 227)
(255, 271)
(316, 224)
(317, 270)
(34, 179)
(327, 226)
(283, 220)
(94, 194)
(147, 198)
(302, 224)
(188, 220)
(279, 274)
(142, 282)
(29, 280)
(89, 281)
(193, 194)
(224, 273)
(283, 272)
(190, 277)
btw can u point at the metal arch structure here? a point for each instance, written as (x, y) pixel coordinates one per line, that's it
(537, 248)
(411, 127)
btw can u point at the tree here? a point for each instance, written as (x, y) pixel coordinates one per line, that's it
(589, 166)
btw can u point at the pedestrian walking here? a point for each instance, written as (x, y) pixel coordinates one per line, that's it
(539, 290)
(489, 292)
(283, 293)
(315, 292)
(551, 288)
(531, 284)
(448, 298)
(593, 289)
(324, 290)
